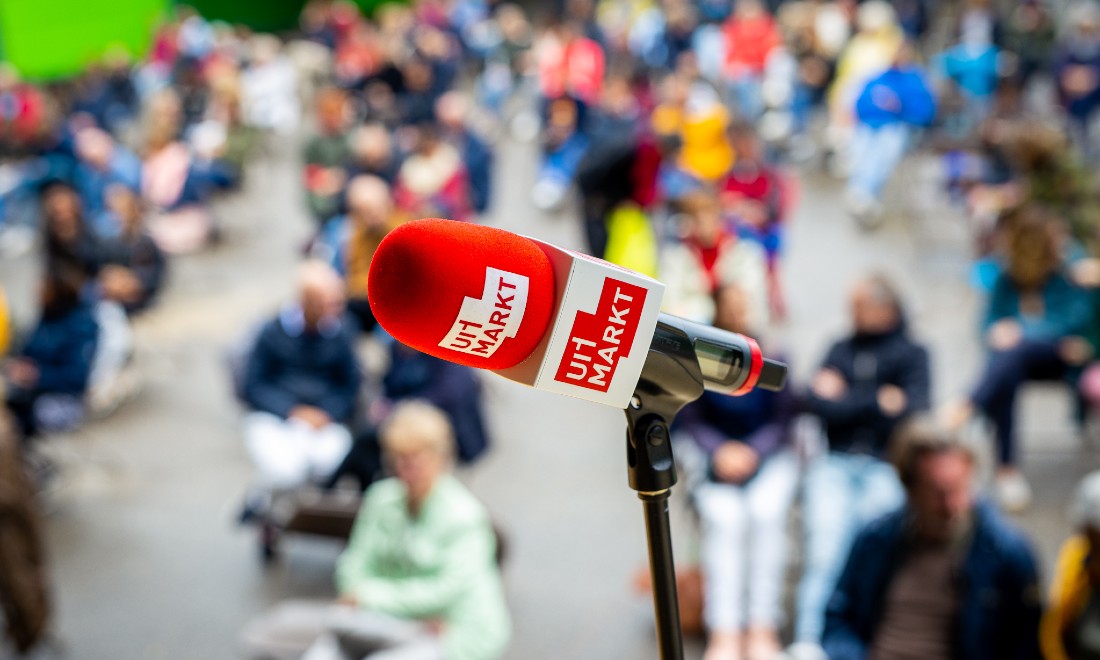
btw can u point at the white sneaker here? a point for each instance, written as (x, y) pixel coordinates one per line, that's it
(805, 651)
(1013, 492)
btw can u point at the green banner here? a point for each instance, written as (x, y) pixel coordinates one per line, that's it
(55, 38)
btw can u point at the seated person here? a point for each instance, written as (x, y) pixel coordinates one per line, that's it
(451, 110)
(1072, 612)
(413, 375)
(743, 504)
(101, 163)
(69, 239)
(326, 154)
(753, 193)
(708, 256)
(349, 241)
(432, 182)
(171, 183)
(867, 384)
(301, 384)
(133, 265)
(1033, 326)
(451, 387)
(373, 152)
(419, 578)
(564, 146)
(48, 376)
(944, 576)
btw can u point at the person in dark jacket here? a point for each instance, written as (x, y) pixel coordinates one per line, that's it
(451, 387)
(888, 110)
(70, 242)
(944, 577)
(48, 377)
(133, 266)
(867, 384)
(302, 384)
(743, 502)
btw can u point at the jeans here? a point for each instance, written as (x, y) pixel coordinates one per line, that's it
(745, 96)
(875, 154)
(1006, 371)
(745, 545)
(841, 493)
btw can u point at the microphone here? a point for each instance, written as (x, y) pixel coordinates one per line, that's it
(551, 318)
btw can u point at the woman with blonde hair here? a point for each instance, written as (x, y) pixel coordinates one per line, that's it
(419, 579)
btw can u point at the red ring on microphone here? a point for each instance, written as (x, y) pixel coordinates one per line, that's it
(755, 367)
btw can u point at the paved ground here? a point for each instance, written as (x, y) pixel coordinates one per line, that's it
(148, 562)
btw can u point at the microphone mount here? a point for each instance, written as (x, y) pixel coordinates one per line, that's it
(684, 360)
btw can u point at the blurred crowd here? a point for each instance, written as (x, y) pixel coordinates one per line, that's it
(675, 131)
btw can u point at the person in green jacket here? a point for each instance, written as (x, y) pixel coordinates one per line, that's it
(419, 578)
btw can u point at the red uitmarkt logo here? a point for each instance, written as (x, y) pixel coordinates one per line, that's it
(599, 341)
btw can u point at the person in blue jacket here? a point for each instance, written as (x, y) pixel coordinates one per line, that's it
(944, 577)
(47, 378)
(301, 384)
(890, 108)
(451, 387)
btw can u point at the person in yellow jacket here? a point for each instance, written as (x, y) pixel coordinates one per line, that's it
(5, 323)
(1070, 628)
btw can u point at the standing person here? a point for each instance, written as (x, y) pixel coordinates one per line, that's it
(1073, 613)
(301, 385)
(1033, 329)
(944, 577)
(868, 383)
(889, 109)
(419, 579)
(743, 503)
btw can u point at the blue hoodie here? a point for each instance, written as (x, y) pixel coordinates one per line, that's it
(898, 95)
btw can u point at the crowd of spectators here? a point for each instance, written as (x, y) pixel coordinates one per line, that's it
(675, 129)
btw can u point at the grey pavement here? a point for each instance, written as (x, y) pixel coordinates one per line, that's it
(149, 563)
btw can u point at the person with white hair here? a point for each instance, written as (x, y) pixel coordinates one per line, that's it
(1067, 631)
(301, 384)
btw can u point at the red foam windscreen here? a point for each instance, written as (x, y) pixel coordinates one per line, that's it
(424, 270)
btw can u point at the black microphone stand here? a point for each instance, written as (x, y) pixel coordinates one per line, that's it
(670, 379)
